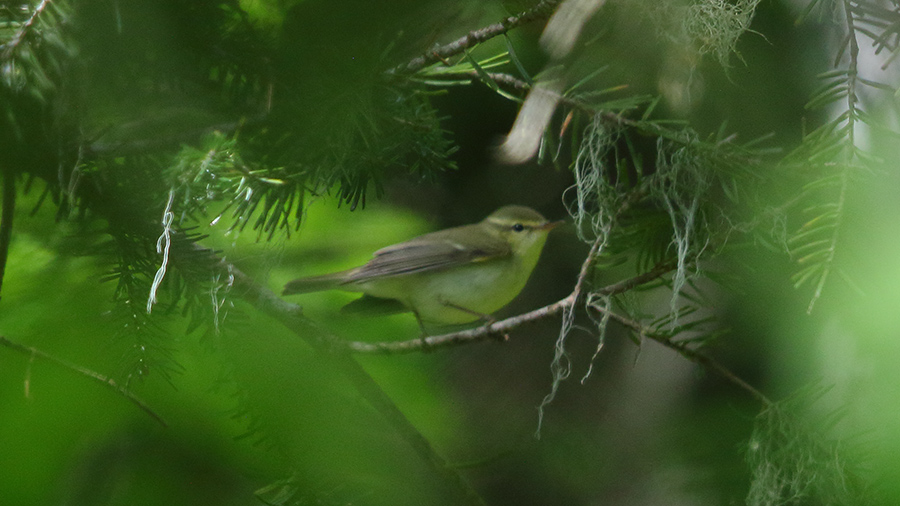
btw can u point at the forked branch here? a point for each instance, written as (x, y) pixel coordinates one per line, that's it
(687, 352)
(88, 373)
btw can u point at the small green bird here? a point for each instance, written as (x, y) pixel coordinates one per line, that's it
(451, 276)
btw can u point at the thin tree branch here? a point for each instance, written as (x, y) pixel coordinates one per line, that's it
(502, 327)
(331, 349)
(88, 373)
(539, 12)
(688, 353)
(502, 79)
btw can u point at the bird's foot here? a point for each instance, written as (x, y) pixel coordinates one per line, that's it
(496, 334)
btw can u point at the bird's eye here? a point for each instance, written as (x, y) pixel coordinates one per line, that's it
(518, 227)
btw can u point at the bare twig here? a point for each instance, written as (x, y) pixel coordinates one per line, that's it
(539, 12)
(502, 79)
(103, 380)
(504, 326)
(687, 352)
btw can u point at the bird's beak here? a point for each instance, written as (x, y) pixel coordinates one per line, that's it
(550, 225)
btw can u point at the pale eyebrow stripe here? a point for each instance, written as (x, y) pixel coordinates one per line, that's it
(504, 223)
(509, 223)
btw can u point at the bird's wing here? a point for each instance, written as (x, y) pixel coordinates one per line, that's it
(430, 252)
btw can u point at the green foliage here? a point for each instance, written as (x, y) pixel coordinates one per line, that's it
(182, 104)
(716, 25)
(36, 52)
(832, 155)
(795, 461)
(34, 48)
(215, 172)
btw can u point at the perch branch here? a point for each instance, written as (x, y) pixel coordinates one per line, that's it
(504, 326)
(103, 380)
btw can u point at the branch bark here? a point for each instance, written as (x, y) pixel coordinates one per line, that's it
(330, 348)
(687, 352)
(103, 380)
(502, 327)
(541, 11)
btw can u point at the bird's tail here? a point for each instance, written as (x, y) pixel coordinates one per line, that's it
(314, 283)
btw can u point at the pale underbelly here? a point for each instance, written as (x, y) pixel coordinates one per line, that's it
(451, 297)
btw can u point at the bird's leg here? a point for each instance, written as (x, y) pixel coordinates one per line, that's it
(486, 318)
(424, 334)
